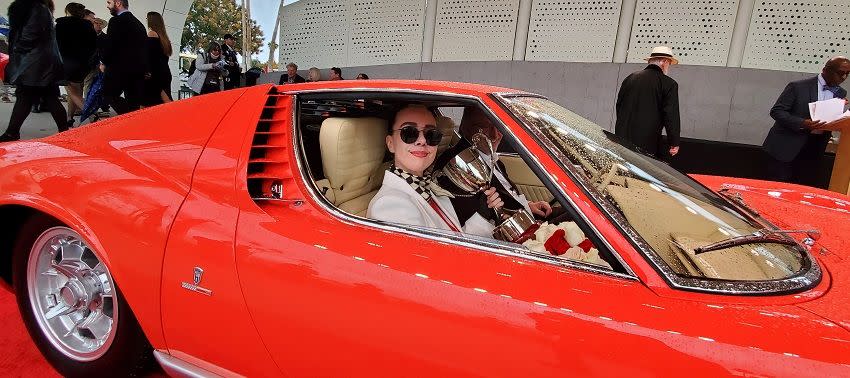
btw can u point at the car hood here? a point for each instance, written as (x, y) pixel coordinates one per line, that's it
(801, 207)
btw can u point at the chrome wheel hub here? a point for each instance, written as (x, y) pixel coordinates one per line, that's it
(71, 293)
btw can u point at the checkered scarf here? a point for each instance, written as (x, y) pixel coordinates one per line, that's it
(425, 185)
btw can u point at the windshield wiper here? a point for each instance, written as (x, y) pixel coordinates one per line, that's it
(761, 236)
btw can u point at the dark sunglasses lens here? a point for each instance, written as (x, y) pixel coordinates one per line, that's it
(433, 137)
(408, 134)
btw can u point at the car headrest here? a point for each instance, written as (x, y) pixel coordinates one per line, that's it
(352, 149)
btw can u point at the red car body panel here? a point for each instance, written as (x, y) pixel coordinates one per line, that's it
(299, 291)
(802, 207)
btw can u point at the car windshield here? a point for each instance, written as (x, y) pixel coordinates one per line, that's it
(666, 212)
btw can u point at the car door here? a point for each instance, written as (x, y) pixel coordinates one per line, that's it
(205, 320)
(337, 295)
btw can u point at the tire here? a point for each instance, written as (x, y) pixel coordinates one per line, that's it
(97, 334)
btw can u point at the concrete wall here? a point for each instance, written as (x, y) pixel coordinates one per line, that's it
(716, 103)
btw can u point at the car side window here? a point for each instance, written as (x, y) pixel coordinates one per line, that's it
(345, 143)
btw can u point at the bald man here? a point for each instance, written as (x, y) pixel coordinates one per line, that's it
(796, 142)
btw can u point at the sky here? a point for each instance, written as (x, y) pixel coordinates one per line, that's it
(265, 13)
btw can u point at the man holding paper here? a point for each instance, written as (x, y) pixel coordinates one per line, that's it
(796, 141)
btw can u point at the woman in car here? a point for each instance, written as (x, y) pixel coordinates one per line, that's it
(409, 195)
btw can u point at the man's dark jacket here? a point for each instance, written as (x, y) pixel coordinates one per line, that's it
(285, 77)
(125, 51)
(34, 56)
(648, 101)
(465, 207)
(788, 136)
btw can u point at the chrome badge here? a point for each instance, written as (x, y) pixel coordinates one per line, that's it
(196, 277)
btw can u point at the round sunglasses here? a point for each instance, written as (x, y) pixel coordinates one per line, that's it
(409, 135)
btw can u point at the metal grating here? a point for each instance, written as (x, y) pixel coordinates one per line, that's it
(315, 33)
(270, 168)
(698, 31)
(573, 31)
(475, 30)
(386, 32)
(797, 35)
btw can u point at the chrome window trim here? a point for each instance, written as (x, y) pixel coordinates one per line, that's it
(481, 243)
(810, 275)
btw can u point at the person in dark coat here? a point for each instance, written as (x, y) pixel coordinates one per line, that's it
(291, 76)
(234, 72)
(476, 121)
(795, 142)
(647, 102)
(77, 42)
(158, 80)
(35, 66)
(125, 60)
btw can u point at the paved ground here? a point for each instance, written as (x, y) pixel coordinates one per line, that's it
(37, 125)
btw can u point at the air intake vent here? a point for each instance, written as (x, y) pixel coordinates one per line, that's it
(270, 163)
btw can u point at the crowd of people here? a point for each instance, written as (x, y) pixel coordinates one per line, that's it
(95, 67)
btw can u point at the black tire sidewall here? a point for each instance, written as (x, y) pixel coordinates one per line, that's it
(129, 351)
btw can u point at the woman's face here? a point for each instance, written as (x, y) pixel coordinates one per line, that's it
(315, 75)
(215, 53)
(417, 156)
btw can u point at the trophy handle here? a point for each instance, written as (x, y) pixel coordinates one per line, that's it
(491, 152)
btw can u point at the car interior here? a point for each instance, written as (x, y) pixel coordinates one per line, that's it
(343, 144)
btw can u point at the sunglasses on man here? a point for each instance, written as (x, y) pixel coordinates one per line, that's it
(410, 134)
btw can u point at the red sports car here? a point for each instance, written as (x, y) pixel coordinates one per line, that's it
(227, 234)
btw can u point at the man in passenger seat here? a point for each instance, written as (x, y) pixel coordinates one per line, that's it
(475, 121)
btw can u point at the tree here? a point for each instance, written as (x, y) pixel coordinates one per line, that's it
(210, 20)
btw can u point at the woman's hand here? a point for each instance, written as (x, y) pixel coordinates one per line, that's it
(541, 208)
(493, 199)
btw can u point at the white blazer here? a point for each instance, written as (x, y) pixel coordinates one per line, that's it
(397, 202)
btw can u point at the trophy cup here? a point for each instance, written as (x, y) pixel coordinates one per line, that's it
(472, 172)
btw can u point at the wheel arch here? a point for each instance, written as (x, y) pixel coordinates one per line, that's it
(15, 210)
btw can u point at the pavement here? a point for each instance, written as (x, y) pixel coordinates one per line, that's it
(37, 125)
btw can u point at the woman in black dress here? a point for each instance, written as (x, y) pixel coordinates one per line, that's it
(34, 63)
(77, 42)
(158, 81)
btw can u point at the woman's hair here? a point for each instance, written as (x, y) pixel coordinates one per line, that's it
(213, 46)
(76, 10)
(316, 71)
(362, 76)
(156, 24)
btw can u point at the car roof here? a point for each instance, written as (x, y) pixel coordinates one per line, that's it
(425, 85)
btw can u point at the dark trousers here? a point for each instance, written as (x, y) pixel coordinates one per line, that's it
(26, 97)
(130, 84)
(232, 81)
(803, 169)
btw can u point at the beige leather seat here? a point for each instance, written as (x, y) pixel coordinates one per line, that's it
(446, 126)
(352, 152)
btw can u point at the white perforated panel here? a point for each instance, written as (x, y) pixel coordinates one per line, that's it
(475, 30)
(698, 31)
(573, 31)
(315, 33)
(386, 32)
(797, 35)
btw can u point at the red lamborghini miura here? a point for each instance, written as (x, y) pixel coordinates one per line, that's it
(227, 235)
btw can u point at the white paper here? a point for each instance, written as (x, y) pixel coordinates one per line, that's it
(827, 110)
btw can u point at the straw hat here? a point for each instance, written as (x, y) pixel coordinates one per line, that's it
(663, 52)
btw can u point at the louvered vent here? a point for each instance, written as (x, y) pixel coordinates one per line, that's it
(270, 165)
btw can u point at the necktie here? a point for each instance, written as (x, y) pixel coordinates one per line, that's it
(835, 90)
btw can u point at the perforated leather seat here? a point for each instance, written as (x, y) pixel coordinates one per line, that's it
(352, 152)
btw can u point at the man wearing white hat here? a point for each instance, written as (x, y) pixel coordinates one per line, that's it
(647, 102)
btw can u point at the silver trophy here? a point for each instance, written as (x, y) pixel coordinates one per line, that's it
(471, 172)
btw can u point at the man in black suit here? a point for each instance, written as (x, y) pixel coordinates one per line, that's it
(476, 121)
(648, 101)
(795, 142)
(291, 76)
(234, 72)
(124, 59)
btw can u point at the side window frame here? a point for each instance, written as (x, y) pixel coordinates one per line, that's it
(472, 241)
